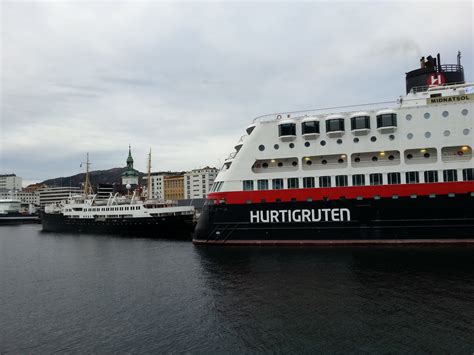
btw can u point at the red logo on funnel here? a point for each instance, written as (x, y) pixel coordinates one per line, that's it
(436, 79)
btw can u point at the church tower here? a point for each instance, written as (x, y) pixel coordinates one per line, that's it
(130, 176)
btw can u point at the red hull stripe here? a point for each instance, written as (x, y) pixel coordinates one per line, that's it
(336, 242)
(348, 192)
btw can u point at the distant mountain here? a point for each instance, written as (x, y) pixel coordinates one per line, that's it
(96, 177)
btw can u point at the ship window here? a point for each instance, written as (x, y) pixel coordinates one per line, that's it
(387, 120)
(431, 176)
(262, 184)
(360, 122)
(293, 183)
(412, 177)
(324, 181)
(450, 175)
(287, 129)
(277, 184)
(308, 182)
(335, 125)
(341, 180)
(376, 179)
(358, 180)
(468, 174)
(310, 127)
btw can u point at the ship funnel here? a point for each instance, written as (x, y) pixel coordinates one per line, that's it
(432, 73)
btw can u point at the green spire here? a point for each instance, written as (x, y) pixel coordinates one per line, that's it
(129, 159)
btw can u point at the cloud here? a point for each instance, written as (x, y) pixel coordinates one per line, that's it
(186, 78)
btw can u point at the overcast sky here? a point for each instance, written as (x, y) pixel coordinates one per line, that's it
(185, 79)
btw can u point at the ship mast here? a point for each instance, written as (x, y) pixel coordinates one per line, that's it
(87, 182)
(148, 188)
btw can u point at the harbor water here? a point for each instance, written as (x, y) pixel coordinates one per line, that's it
(93, 293)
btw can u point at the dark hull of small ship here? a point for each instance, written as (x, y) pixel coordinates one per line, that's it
(444, 219)
(18, 218)
(176, 227)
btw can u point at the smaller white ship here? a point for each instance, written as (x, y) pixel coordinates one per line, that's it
(10, 213)
(119, 215)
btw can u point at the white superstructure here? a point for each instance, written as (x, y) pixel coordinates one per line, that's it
(116, 207)
(426, 136)
(9, 206)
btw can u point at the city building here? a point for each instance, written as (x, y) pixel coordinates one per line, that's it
(130, 176)
(104, 191)
(34, 187)
(173, 187)
(48, 195)
(26, 197)
(157, 184)
(198, 182)
(10, 182)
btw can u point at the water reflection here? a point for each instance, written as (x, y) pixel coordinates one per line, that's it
(343, 299)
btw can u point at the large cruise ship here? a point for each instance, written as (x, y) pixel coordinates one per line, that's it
(399, 172)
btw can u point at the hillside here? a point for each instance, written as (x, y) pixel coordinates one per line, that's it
(109, 176)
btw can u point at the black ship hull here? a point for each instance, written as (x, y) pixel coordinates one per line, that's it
(420, 219)
(176, 227)
(18, 218)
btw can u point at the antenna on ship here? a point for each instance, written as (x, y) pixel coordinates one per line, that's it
(148, 188)
(87, 183)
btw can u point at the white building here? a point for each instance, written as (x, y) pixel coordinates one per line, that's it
(10, 182)
(157, 184)
(198, 183)
(24, 196)
(48, 195)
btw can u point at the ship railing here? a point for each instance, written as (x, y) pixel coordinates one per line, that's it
(347, 109)
(449, 68)
(424, 88)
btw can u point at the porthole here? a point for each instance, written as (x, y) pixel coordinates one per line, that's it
(391, 157)
(324, 162)
(294, 163)
(409, 156)
(408, 117)
(280, 164)
(410, 135)
(375, 158)
(391, 137)
(445, 113)
(427, 134)
(357, 160)
(373, 138)
(323, 143)
(464, 112)
(356, 140)
(340, 161)
(339, 141)
(265, 165)
(447, 133)
(465, 131)
(426, 155)
(309, 162)
(307, 144)
(276, 146)
(427, 115)
(292, 145)
(261, 147)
